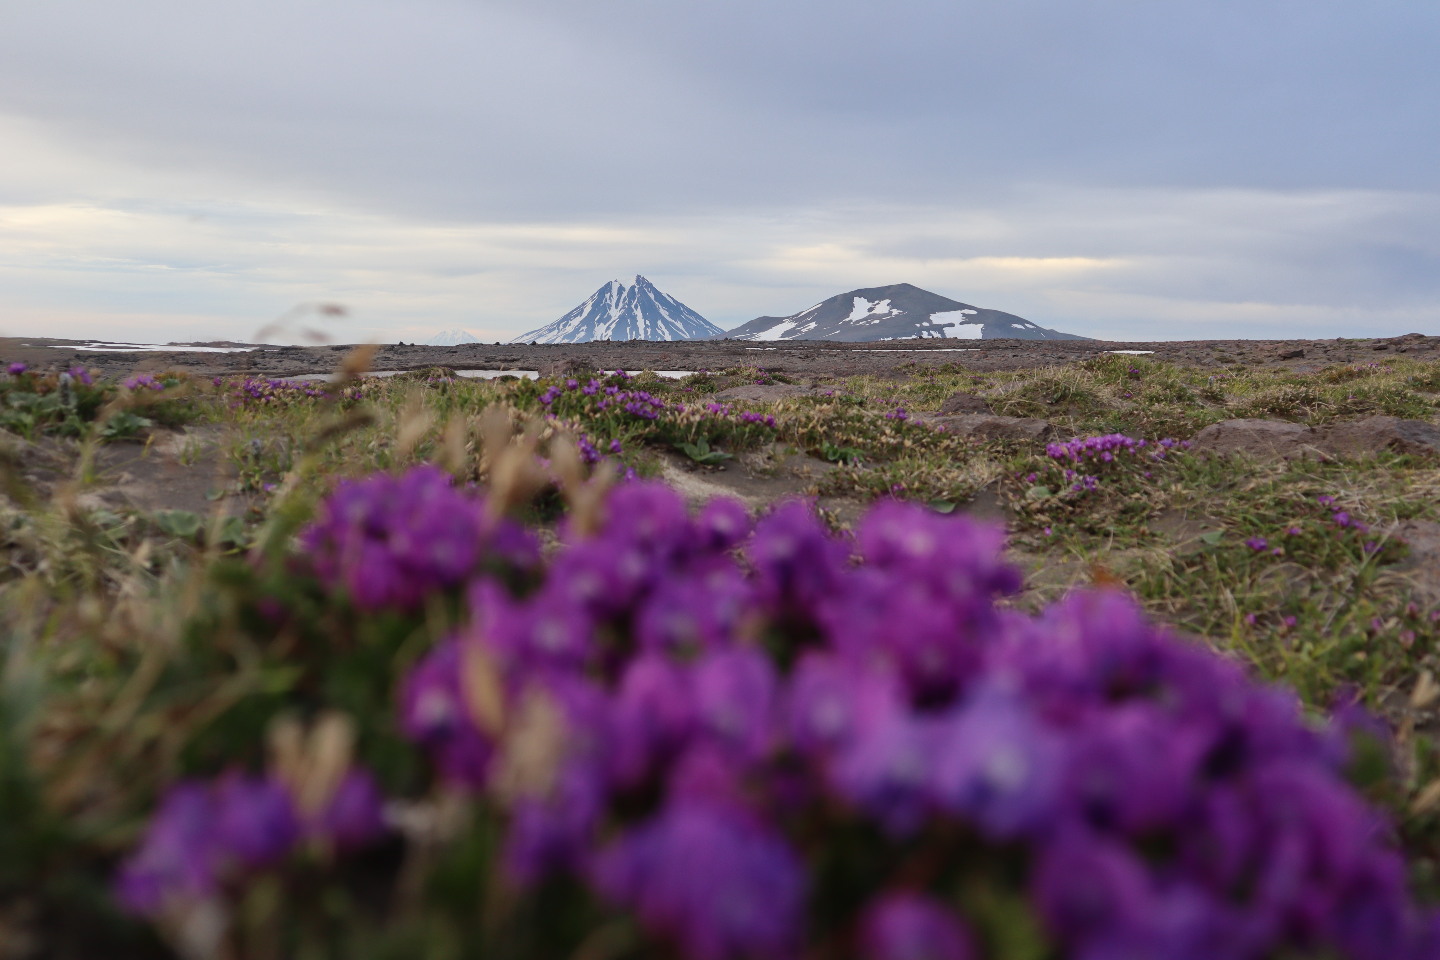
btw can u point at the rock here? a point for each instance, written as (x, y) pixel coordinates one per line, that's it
(989, 426)
(1291, 355)
(1264, 439)
(767, 393)
(1356, 438)
(567, 369)
(1422, 565)
(963, 403)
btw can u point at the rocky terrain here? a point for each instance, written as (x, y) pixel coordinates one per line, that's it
(795, 358)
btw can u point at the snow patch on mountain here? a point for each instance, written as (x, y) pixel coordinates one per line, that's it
(451, 338)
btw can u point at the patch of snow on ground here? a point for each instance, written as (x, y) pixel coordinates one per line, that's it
(149, 348)
(1133, 353)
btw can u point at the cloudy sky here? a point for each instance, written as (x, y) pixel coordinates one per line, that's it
(1129, 169)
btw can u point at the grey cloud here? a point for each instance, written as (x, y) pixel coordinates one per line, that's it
(489, 163)
(558, 109)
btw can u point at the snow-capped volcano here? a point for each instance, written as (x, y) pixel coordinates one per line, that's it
(617, 311)
(899, 311)
(451, 338)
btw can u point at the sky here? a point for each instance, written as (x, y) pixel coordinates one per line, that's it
(1124, 169)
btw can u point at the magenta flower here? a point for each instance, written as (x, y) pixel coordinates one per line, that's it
(719, 884)
(912, 926)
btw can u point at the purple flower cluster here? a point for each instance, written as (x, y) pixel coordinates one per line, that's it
(143, 381)
(1106, 448)
(1101, 453)
(763, 419)
(390, 540)
(269, 390)
(16, 369)
(687, 714)
(638, 403)
(80, 375)
(574, 403)
(207, 834)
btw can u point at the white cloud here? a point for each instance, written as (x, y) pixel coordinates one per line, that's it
(192, 267)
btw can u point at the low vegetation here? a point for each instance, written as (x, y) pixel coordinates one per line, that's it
(246, 633)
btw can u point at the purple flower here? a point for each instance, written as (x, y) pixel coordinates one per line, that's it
(389, 540)
(143, 381)
(652, 715)
(254, 820)
(179, 858)
(434, 712)
(17, 368)
(912, 926)
(354, 816)
(722, 523)
(1257, 543)
(735, 695)
(1086, 886)
(795, 560)
(717, 883)
(830, 700)
(997, 765)
(885, 767)
(699, 609)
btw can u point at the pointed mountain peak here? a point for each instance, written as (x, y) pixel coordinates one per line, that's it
(451, 338)
(619, 311)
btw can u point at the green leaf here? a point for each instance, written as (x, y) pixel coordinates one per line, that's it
(1212, 537)
(122, 425)
(233, 532)
(942, 506)
(181, 524)
(1038, 493)
(700, 452)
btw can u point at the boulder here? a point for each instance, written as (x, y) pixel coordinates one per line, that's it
(1422, 564)
(570, 368)
(1358, 438)
(988, 426)
(1263, 439)
(761, 393)
(963, 403)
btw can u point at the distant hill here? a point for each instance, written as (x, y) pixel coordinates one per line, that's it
(451, 338)
(620, 311)
(899, 311)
